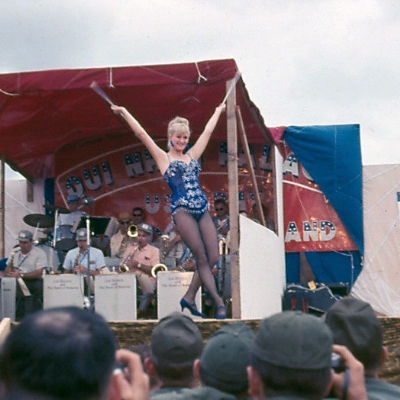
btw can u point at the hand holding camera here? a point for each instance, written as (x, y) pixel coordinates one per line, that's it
(350, 383)
(132, 381)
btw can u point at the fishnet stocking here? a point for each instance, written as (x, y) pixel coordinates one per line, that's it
(201, 238)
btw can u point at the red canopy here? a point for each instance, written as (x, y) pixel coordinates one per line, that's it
(44, 112)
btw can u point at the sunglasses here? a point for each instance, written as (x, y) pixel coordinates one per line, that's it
(136, 215)
(124, 222)
(220, 209)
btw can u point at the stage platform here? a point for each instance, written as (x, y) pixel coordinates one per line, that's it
(138, 332)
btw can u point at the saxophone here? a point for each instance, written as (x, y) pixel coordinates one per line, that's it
(11, 268)
(76, 262)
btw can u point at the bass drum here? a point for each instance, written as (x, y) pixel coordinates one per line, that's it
(53, 260)
(65, 238)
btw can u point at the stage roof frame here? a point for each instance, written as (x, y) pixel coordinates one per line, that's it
(44, 112)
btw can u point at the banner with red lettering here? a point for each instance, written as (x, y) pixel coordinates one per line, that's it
(119, 174)
(311, 223)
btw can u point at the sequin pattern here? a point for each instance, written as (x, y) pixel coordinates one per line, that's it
(183, 179)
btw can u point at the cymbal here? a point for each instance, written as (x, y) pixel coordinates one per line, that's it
(54, 207)
(39, 220)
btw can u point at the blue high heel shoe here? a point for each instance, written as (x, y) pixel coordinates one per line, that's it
(220, 314)
(192, 308)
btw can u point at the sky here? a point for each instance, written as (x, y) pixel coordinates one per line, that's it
(304, 62)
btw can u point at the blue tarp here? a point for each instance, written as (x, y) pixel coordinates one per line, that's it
(332, 156)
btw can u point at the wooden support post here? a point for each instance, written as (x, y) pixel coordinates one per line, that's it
(233, 191)
(245, 144)
(29, 191)
(2, 209)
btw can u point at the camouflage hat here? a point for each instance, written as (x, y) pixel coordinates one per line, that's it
(226, 355)
(293, 339)
(175, 339)
(355, 325)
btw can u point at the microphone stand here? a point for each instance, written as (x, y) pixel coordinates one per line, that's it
(88, 275)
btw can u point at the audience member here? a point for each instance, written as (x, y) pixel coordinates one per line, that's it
(144, 351)
(222, 368)
(68, 354)
(291, 358)
(355, 325)
(176, 342)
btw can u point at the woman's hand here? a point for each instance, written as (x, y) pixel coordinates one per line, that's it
(221, 108)
(118, 110)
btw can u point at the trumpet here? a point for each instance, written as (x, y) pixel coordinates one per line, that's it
(158, 268)
(123, 269)
(132, 231)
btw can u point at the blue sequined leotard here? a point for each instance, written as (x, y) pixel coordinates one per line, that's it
(183, 179)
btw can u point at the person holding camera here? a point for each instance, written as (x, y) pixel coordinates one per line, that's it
(68, 353)
(290, 358)
(355, 325)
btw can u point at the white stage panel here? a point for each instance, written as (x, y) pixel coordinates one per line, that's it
(8, 294)
(262, 270)
(115, 296)
(171, 287)
(63, 290)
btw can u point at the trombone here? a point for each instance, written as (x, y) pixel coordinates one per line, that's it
(123, 267)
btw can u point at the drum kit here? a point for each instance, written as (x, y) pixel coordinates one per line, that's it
(59, 238)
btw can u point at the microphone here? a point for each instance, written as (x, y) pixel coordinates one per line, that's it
(88, 201)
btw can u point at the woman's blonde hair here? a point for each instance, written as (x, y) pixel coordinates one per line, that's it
(178, 124)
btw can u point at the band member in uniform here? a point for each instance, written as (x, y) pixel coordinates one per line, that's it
(140, 258)
(27, 262)
(74, 216)
(76, 260)
(189, 205)
(221, 218)
(120, 240)
(139, 217)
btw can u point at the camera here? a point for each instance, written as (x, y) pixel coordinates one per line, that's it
(118, 368)
(336, 363)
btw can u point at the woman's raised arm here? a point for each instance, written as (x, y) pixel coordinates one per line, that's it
(198, 148)
(159, 155)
